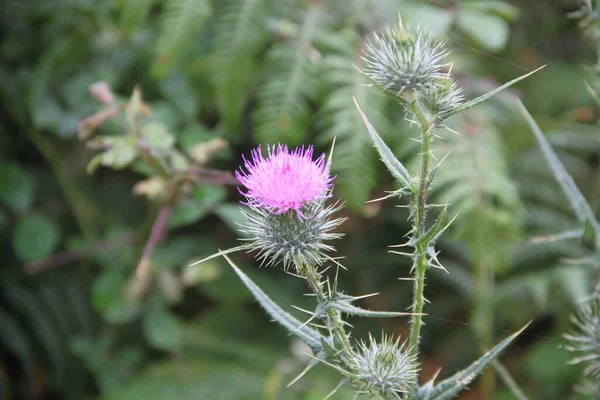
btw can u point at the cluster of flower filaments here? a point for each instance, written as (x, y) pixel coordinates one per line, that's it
(408, 64)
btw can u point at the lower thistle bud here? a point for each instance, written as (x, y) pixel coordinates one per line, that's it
(384, 369)
(585, 337)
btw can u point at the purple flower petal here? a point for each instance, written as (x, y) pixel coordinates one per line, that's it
(284, 180)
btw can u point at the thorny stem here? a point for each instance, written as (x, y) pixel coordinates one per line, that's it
(334, 316)
(425, 121)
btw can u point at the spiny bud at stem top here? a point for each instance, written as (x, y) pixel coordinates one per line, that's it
(408, 63)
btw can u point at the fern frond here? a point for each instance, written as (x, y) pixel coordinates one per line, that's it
(283, 112)
(181, 21)
(241, 32)
(355, 157)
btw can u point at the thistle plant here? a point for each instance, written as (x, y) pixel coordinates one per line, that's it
(289, 222)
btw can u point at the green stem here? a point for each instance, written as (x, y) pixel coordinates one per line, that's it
(421, 262)
(335, 317)
(425, 121)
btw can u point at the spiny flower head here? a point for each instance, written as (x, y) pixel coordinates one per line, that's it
(384, 369)
(585, 338)
(284, 180)
(296, 242)
(287, 219)
(408, 63)
(443, 95)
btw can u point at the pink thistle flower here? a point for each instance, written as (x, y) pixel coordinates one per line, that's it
(284, 180)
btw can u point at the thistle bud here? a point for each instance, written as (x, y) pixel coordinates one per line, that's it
(384, 369)
(408, 64)
(585, 338)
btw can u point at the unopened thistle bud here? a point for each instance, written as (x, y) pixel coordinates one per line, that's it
(288, 220)
(384, 369)
(585, 338)
(408, 64)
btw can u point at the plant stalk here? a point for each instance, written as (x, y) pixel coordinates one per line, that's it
(419, 213)
(334, 316)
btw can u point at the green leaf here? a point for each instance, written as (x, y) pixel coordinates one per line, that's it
(233, 216)
(392, 163)
(35, 237)
(209, 195)
(489, 31)
(186, 212)
(157, 136)
(308, 335)
(181, 22)
(178, 250)
(482, 98)
(108, 297)
(436, 230)
(361, 312)
(451, 387)
(161, 328)
(190, 136)
(204, 200)
(576, 199)
(16, 187)
(123, 150)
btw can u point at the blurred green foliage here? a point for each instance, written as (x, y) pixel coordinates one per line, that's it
(214, 78)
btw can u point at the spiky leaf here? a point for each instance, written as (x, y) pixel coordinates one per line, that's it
(451, 387)
(436, 230)
(387, 156)
(472, 103)
(576, 199)
(308, 335)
